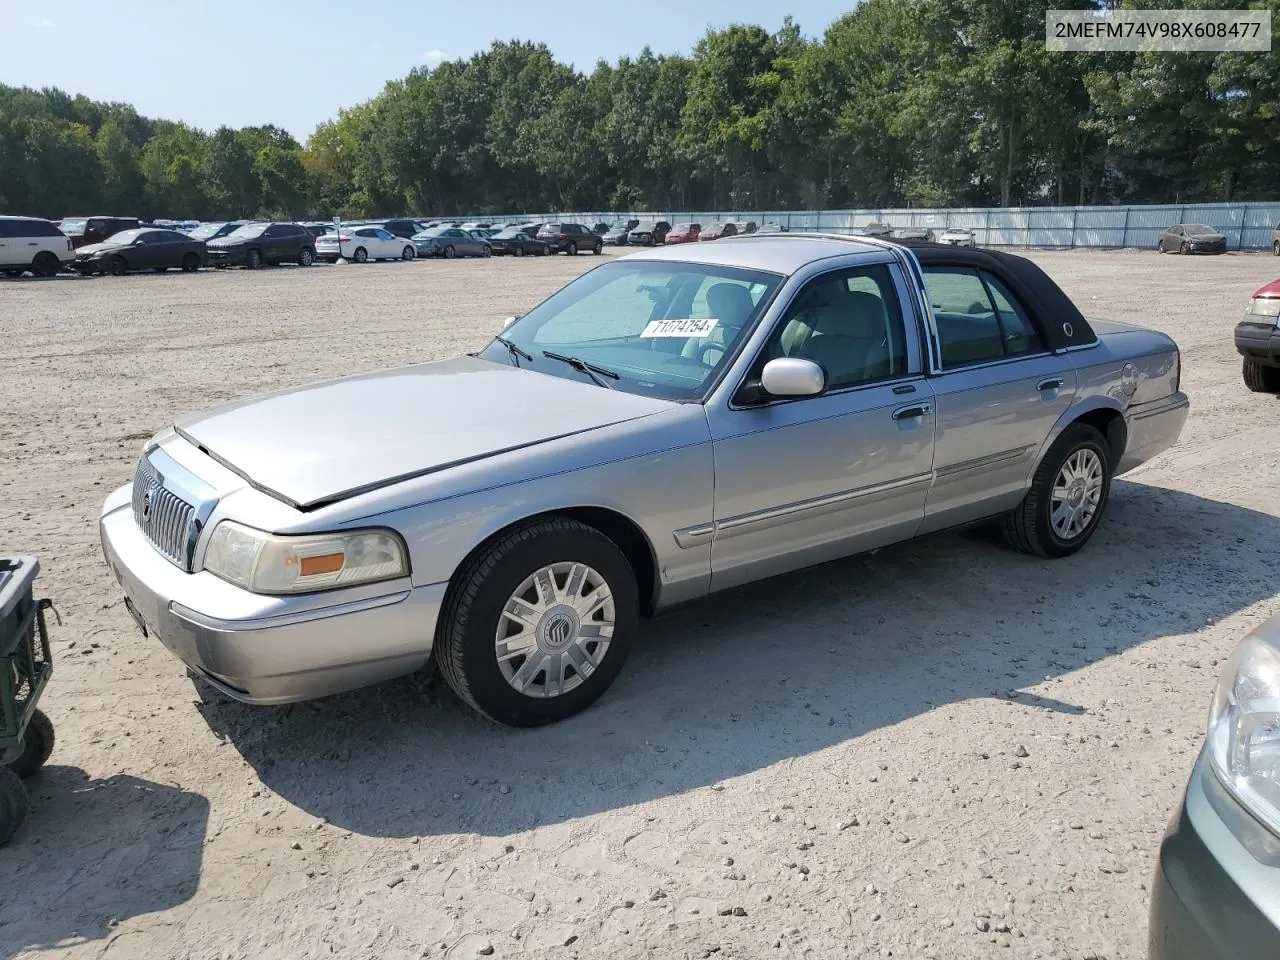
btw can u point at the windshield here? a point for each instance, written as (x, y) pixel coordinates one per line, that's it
(248, 231)
(1200, 230)
(75, 226)
(207, 231)
(666, 328)
(508, 234)
(125, 236)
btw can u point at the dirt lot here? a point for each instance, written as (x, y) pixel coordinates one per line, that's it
(833, 758)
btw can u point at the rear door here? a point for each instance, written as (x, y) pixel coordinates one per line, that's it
(998, 395)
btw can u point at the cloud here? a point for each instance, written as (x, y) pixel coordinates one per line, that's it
(433, 57)
(45, 25)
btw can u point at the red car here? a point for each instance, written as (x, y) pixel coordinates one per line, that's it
(684, 233)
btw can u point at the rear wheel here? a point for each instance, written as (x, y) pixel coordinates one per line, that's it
(45, 264)
(361, 255)
(1184, 248)
(253, 259)
(1260, 379)
(573, 248)
(488, 251)
(1275, 248)
(449, 252)
(408, 253)
(1067, 498)
(37, 746)
(14, 804)
(190, 263)
(598, 248)
(307, 257)
(538, 622)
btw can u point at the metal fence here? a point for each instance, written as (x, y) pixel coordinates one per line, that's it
(1247, 226)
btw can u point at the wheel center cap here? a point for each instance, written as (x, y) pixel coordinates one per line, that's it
(1075, 493)
(558, 628)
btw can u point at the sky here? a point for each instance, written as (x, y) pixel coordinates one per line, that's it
(251, 62)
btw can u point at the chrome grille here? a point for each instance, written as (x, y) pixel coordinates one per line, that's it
(162, 515)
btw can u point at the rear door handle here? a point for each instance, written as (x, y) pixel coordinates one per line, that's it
(912, 411)
(1053, 383)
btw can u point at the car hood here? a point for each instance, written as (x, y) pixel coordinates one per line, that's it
(322, 443)
(91, 248)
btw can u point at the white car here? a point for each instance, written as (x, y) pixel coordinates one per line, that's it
(958, 237)
(362, 244)
(29, 243)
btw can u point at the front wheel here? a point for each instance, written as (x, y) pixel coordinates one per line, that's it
(538, 622)
(190, 263)
(408, 253)
(1067, 497)
(37, 746)
(1275, 248)
(253, 259)
(14, 804)
(488, 251)
(117, 266)
(1260, 379)
(1184, 249)
(519, 251)
(449, 252)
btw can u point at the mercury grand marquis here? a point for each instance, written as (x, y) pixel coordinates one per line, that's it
(674, 422)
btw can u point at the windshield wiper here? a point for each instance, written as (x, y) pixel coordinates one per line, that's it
(590, 369)
(513, 351)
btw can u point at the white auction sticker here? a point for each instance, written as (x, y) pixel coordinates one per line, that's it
(680, 328)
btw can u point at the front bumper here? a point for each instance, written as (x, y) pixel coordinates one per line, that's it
(1258, 342)
(1216, 894)
(267, 650)
(226, 258)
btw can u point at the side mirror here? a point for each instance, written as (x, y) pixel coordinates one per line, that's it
(509, 321)
(784, 377)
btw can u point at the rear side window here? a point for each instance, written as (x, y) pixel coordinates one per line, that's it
(977, 317)
(7, 228)
(28, 228)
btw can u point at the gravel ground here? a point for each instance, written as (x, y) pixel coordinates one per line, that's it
(934, 751)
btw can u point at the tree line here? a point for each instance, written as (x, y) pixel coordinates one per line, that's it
(898, 103)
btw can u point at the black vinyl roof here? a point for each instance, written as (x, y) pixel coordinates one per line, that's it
(1060, 321)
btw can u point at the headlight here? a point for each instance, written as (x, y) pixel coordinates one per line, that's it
(274, 564)
(1268, 307)
(1244, 725)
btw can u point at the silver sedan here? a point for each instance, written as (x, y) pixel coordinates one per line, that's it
(669, 424)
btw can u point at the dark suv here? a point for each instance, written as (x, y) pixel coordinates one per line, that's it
(256, 244)
(86, 230)
(569, 238)
(401, 228)
(649, 234)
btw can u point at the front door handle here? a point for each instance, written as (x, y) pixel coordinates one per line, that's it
(1053, 383)
(913, 411)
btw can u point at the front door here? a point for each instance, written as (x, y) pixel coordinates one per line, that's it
(803, 480)
(999, 394)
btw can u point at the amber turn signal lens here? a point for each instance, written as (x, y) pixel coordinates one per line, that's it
(325, 563)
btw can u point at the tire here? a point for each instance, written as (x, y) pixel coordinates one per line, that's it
(519, 251)
(14, 804)
(117, 267)
(37, 746)
(1260, 379)
(45, 264)
(1183, 249)
(488, 251)
(598, 248)
(408, 253)
(1275, 248)
(466, 635)
(253, 259)
(546, 251)
(1028, 526)
(190, 263)
(1160, 247)
(449, 253)
(361, 255)
(306, 257)
(573, 248)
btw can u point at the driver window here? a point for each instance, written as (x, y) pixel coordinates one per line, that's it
(848, 322)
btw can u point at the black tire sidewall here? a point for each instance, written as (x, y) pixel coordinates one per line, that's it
(14, 804)
(37, 746)
(488, 688)
(519, 251)
(1076, 437)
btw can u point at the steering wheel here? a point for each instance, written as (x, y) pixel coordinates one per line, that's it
(706, 348)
